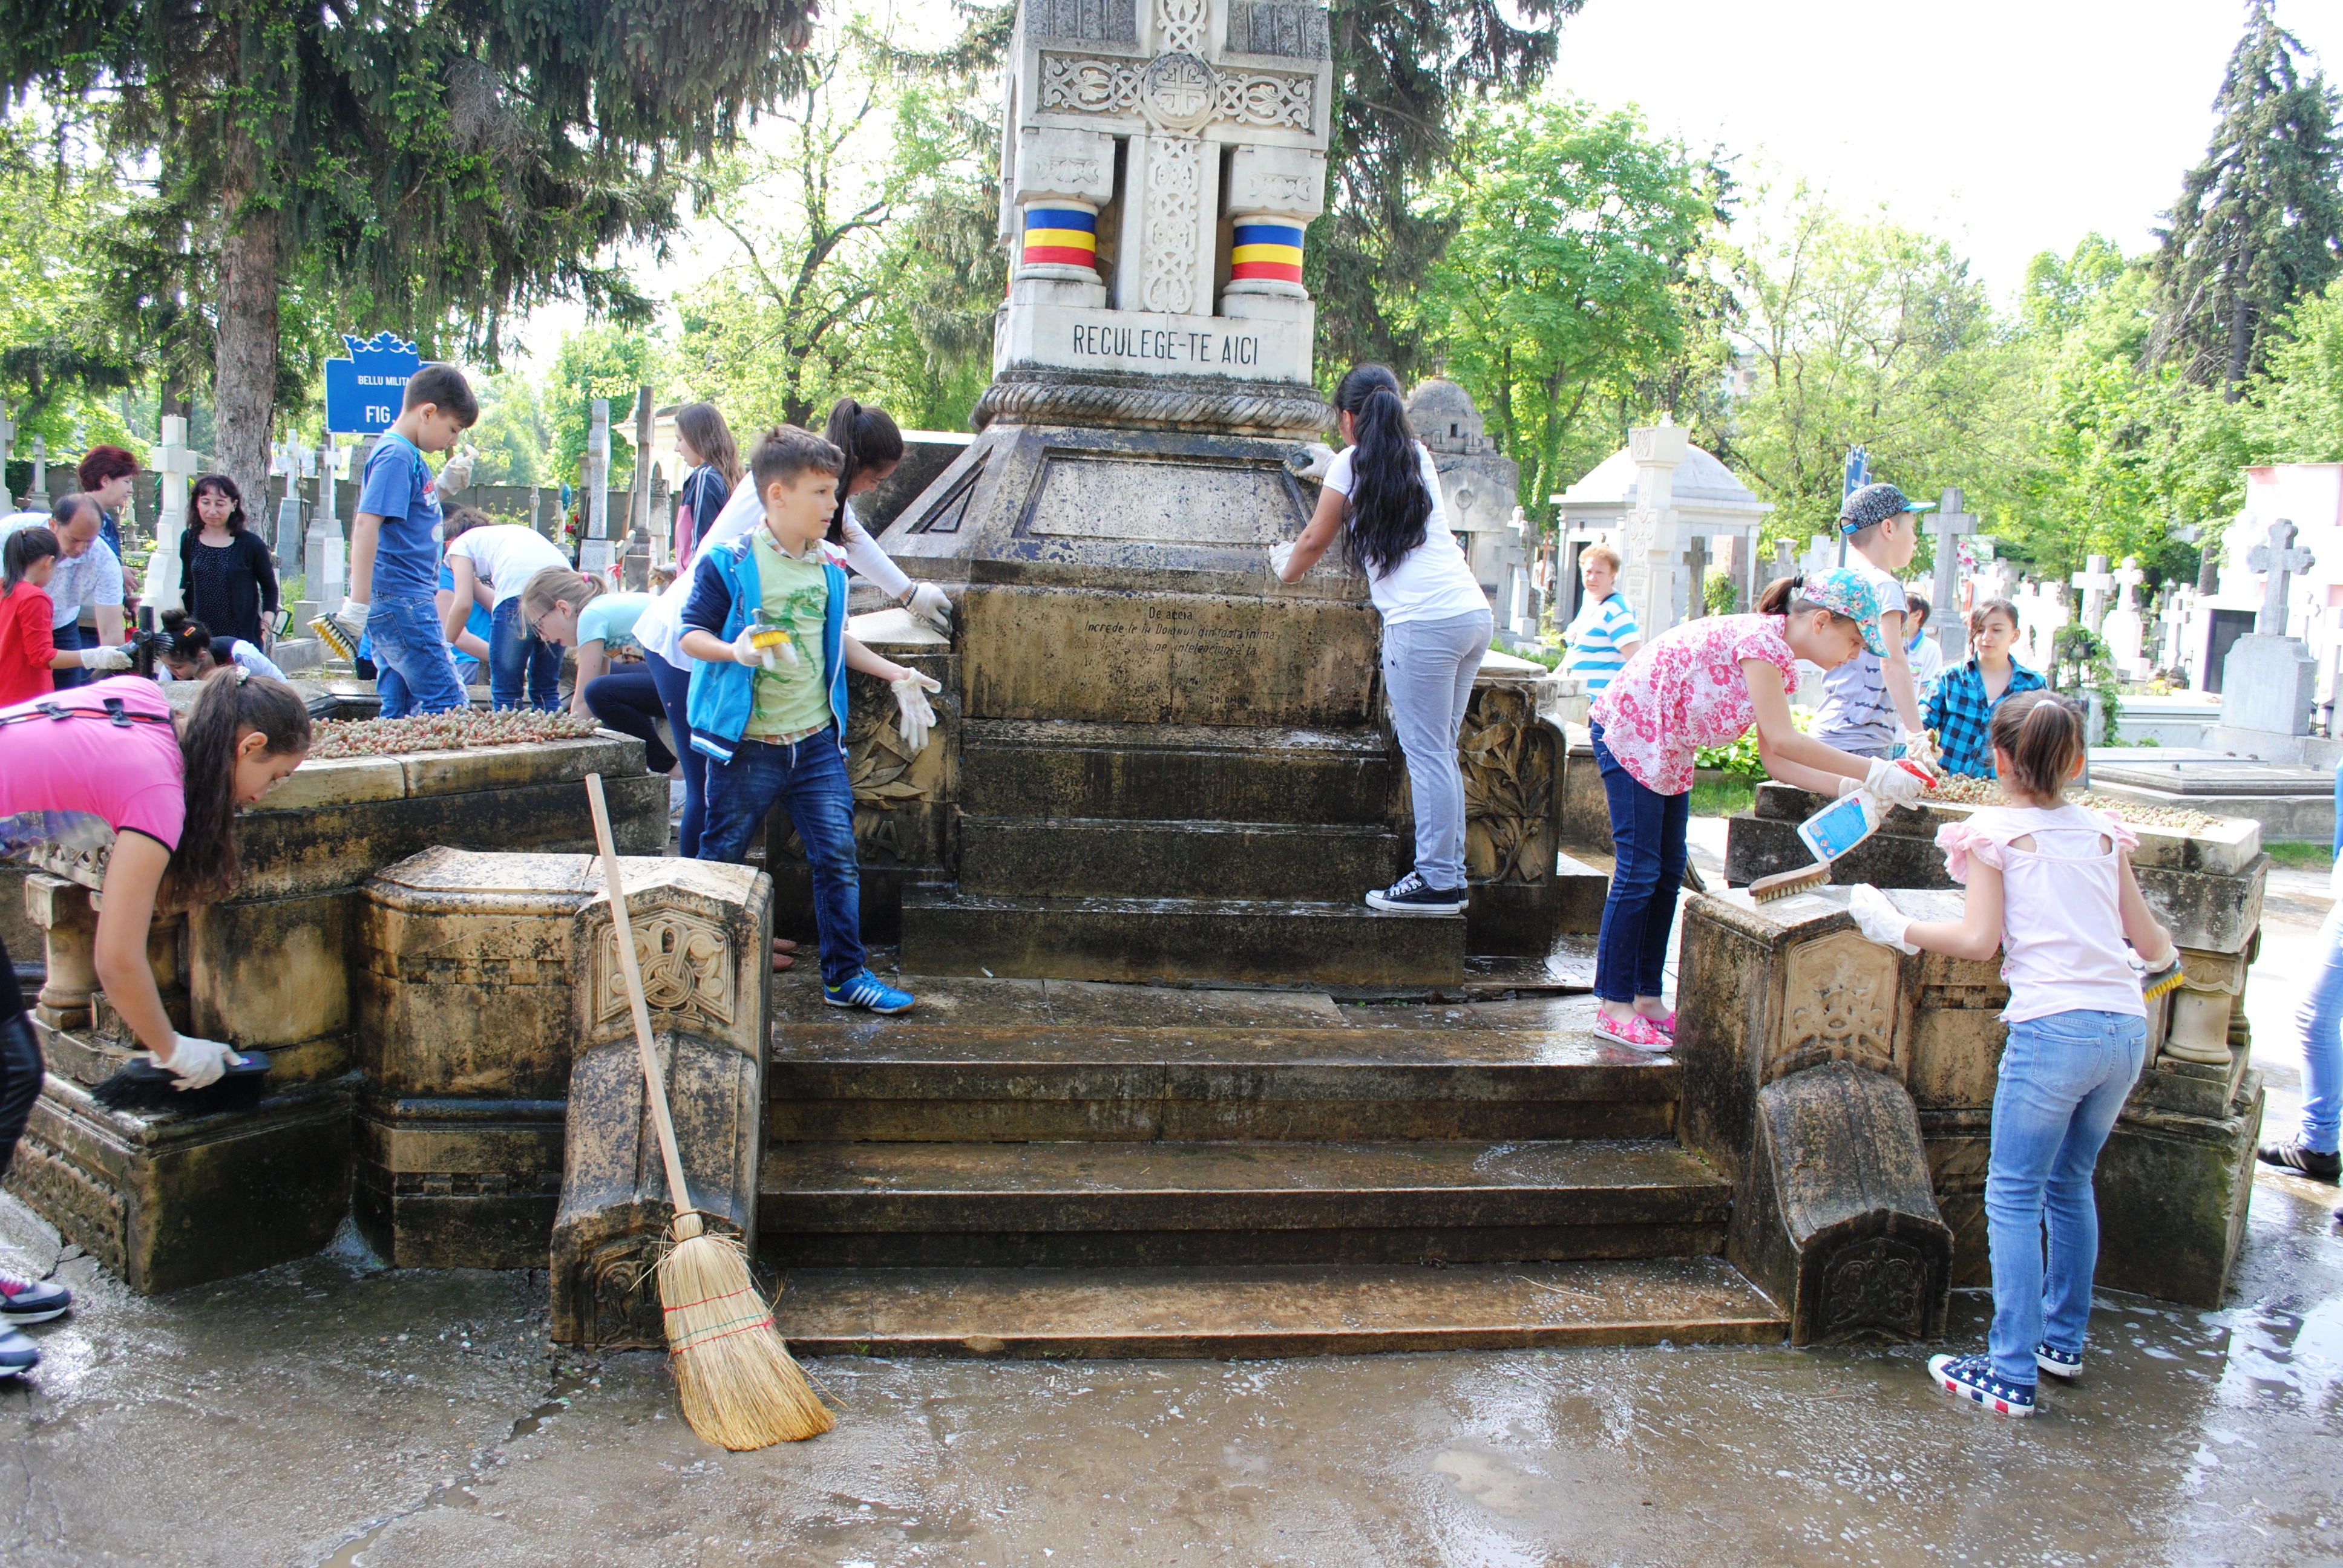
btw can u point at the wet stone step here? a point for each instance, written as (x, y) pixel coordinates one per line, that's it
(1261, 941)
(1059, 855)
(1098, 1204)
(1009, 1082)
(1261, 1311)
(1161, 771)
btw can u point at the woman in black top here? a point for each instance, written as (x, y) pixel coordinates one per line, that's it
(228, 578)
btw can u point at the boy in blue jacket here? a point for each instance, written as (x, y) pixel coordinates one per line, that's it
(768, 711)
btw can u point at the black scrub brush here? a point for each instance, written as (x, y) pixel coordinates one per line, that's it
(140, 1085)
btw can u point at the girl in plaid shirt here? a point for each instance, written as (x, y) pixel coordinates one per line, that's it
(1960, 710)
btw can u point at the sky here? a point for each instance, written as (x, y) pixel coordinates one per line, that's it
(2008, 127)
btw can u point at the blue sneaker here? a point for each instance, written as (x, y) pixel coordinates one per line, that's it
(2068, 1365)
(867, 991)
(17, 1354)
(25, 1302)
(1971, 1377)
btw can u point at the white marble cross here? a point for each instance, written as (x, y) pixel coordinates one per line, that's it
(1948, 525)
(597, 474)
(2280, 559)
(2095, 584)
(2126, 628)
(178, 466)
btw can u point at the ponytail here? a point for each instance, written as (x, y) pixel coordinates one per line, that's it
(869, 438)
(557, 584)
(189, 638)
(2041, 733)
(204, 867)
(1390, 511)
(25, 546)
(1781, 597)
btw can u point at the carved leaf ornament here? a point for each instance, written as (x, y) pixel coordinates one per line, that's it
(1508, 790)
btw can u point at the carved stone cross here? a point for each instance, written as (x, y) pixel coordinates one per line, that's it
(2281, 560)
(2095, 584)
(39, 498)
(1948, 525)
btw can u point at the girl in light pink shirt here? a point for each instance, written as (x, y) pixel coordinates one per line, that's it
(2051, 888)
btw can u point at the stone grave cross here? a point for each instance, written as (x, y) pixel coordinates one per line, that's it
(2126, 629)
(594, 553)
(7, 443)
(39, 499)
(2280, 559)
(1785, 560)
(178, 468)
(2095, 584)
(1948, 525)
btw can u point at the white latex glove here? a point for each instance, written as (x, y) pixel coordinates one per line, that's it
(197, 1062)
(1322, 458)
(781, 656)
(105, 658)
(1878, 919)
(913, 715)
(352, 618)
(1279, 555)
(1895, 785)
(928, 602)
(1918, 748)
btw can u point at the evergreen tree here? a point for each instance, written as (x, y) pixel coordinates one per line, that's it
(2259, 223)
(431, 168)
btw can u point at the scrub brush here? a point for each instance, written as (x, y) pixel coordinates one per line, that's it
(1828, 834)
(140, 1085)
(2163, 980)
(335, 635)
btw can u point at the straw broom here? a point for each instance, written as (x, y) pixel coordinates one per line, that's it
(739, 1386)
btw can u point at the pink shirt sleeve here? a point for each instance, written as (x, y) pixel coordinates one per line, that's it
(1960, 841)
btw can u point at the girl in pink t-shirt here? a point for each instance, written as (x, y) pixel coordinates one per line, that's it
(105, 766)
(1707, 683)
(2051, 887)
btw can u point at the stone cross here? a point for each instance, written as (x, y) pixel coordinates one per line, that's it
(597, 473)
(7, 444)
(1785, 560)
(637, 575)
(1948, 525)
(1822, 555)
(2095, 584)
(38, 498)
(2124, 628)
(178, 468)
(2280, 559)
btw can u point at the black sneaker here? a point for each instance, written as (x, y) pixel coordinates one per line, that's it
(2291, 1155)
(1411, 896)
(25, 1302)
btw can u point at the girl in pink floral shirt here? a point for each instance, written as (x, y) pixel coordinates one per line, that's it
(1707, 683)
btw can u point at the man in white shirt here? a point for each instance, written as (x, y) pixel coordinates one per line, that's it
(88, 577)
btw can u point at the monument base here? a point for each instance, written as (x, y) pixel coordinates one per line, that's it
(2269, 684)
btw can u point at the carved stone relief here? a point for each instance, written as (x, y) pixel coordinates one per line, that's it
(1177, 94)
(1874, 1286)
(1096, 21)
(686, 968)
(1180, 24)
(1186, 94)
(1175, 194)
(1838, 1004)
(1509, 783)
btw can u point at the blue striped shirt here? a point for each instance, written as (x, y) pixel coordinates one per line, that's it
(1593, 640)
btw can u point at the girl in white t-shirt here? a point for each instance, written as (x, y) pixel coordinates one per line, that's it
(1382, 497)
(2051, 888)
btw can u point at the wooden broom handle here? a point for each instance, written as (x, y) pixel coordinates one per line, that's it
(652, 1084)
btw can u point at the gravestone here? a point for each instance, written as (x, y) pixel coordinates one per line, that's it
(177, 467)
(635, 575)
(2125, 628)
(1948, 525)
(594, 550)
(2269, 681)
(39, 499)
(2095, 584)
(7, 446)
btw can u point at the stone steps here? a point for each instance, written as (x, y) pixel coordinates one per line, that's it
(1093, 856)
(1273, 1310)
(1184, 772)
(1260, 941)
(877, 1080)
(1152, 1204)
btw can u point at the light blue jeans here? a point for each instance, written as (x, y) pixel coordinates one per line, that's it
(2319, 1022)
(414, 671)
(1428, 670)
(2063, 1078)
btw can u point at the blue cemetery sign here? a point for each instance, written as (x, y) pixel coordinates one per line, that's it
(363, 393)
(1858, 471)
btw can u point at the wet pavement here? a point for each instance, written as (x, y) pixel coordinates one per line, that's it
(334, 1412)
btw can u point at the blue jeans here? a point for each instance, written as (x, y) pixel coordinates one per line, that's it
(2063, 1078)
(71, 635)
(674, 684)
(413, 671)
(517, 656)
(2319, 1022)
(808, 779)
(1647, 838)
(628, 700)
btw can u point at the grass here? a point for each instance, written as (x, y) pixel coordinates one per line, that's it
(1722, 798)
(2301, 854)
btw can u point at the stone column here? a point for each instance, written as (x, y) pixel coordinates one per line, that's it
(7, 444)
(1647, 571)
(38, 500)
(1273, 194)
(68, 922)
(1061, 181)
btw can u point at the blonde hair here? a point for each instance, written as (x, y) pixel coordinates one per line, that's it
(1599, 551)
(557, 584)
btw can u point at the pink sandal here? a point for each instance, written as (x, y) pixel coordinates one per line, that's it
(1665, 1023)
(1637, 1033)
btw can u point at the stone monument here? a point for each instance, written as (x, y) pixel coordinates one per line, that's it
(593, 549)
(1948, 525)
(2268, 681)
(2125, 628)
(1665, 502)
(1478, 484)
(37, 498)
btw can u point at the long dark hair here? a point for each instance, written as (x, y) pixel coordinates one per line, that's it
(702, 424)
(1390, 511)
(226, 487)
(870, 439)
(25, 546)
(204, 867)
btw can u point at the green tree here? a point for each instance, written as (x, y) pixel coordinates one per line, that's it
(2259, 223)
(1564, 282)
(433, 167)
(513, 441)
(60, 355)
(601, 360)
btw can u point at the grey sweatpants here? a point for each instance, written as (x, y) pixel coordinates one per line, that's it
(1428, 669)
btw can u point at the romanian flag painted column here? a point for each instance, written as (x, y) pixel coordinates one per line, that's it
(1265, 257)
(1059, 234)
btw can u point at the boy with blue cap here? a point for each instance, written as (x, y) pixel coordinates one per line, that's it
(1870, 703)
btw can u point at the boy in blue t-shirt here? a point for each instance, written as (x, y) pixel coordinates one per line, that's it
(395, 550)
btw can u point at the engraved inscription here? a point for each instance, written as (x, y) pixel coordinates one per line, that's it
(1164, 345)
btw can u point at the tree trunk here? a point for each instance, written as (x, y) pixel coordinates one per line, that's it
(2241, 343)
(244, 371)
